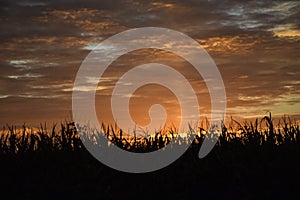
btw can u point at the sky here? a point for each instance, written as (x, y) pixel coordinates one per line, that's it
(255, 45)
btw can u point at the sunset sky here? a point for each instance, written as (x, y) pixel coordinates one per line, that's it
(255, 44)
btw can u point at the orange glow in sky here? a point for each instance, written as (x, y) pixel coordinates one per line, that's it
(255, 45)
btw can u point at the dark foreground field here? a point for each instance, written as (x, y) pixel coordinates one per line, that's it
(263, 163)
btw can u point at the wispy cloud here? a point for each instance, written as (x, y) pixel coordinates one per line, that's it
(255, 45)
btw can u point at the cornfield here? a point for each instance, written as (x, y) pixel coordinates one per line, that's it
(251, 160)
(262, 132)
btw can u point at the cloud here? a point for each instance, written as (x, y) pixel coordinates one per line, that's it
(31, 3)
(255, 45)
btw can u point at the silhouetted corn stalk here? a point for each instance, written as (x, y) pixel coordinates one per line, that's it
(15, 141)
